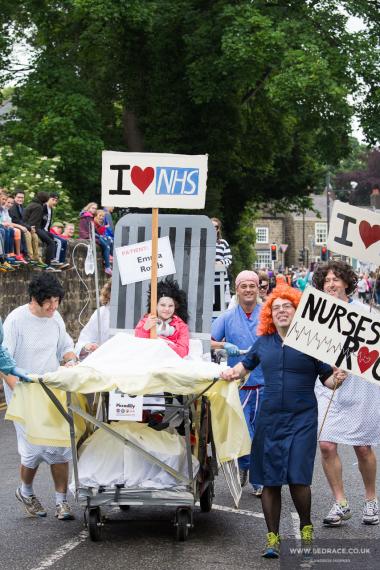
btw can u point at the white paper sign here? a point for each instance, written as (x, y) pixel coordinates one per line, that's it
(150, 180)
(124, 407)
(338, 333)
(135, 260)
(355, 232)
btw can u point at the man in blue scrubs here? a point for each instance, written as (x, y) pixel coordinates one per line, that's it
(235, 331)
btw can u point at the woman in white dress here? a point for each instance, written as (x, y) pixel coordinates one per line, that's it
(354, 414)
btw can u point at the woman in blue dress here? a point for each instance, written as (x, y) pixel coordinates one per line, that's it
(284, 446)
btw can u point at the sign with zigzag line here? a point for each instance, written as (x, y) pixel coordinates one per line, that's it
(341, 334)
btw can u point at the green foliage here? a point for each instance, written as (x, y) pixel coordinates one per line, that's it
(244, 239)
(262, 87)
(22, 168)
(354, 179)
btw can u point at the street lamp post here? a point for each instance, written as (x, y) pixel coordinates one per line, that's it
(303, 238)
(328, 188)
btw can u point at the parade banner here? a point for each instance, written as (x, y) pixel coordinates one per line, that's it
(150, 180)
(338, 333)
(354, 232)
(135, 261)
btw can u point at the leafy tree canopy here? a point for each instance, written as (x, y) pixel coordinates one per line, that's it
(357, 175)
(262, 86)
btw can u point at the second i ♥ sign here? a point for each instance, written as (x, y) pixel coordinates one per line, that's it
(151, 180)
(355, 232)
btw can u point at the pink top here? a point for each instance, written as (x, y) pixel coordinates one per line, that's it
(179, 341)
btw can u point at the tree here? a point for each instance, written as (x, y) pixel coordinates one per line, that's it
(260, 86)
(22, 168)
(363, 168)
(244, 239)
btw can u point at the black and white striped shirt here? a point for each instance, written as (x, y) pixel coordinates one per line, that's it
(222, 255)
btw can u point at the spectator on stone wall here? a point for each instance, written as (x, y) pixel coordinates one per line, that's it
(108, 221)
(86, 217)
(68, 231)
(60, 244)
(18, 229)
(101, 229)
(33, 217)
(29, 238)
(104, 242)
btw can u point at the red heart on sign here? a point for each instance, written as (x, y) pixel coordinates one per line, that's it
(142, 178)
(369, 234)
(366, 358)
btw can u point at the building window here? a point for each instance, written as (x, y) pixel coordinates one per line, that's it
(320, 233)
(262, 235)
(263, 260)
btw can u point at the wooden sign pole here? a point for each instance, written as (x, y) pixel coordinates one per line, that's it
(153, 276)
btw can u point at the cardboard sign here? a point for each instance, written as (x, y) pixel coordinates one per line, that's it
(134, 261)
(149, 180)
(124, 407)
(338, 333)
(355, 232)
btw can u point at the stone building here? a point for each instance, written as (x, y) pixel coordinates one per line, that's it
(296, 233)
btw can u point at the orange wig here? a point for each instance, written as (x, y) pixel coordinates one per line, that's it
(266, 325)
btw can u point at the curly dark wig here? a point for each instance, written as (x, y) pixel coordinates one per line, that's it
(44, 286)
(341, 270)
(170, 288)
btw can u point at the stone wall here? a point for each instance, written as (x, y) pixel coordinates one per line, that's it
(14, 290)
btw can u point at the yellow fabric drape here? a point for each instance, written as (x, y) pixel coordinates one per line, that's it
(135, 366)
(44, 424)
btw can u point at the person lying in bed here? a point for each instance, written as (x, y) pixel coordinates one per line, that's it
(171, 318)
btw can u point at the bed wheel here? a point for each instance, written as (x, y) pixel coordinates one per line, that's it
(207, 497)
(183, 524)
(95, 524)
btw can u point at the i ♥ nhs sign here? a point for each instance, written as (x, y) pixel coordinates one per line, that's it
(150, 180)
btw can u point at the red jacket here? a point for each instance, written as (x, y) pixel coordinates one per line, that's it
(179, 340)
(101, 230)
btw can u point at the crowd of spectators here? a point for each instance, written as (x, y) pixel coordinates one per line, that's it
(367, 288)
(29, 236)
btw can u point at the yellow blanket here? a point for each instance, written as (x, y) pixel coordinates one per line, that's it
(126, 364)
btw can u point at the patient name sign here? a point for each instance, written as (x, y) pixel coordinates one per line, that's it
(338, 333)
(135, 261)
(154, 180)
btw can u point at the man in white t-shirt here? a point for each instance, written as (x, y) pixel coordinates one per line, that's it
(36, 338)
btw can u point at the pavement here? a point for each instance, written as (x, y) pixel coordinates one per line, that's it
(144, 537)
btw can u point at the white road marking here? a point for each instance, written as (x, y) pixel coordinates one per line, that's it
(296, 526)
(62, 551)
(237, 511)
